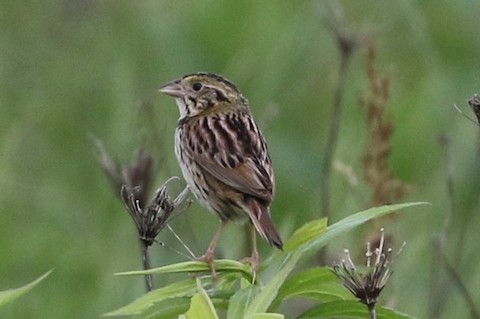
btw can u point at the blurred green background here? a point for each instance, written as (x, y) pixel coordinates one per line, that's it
(72, 69)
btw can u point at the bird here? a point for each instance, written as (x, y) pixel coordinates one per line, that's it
(224, 157)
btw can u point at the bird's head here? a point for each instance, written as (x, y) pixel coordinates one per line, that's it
(204, 93)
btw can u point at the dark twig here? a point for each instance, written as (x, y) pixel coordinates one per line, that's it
(438, 283)
(455, 276)
(444, 142)
(439, 289)
(151, 218)
(347, 41)
(146, 265)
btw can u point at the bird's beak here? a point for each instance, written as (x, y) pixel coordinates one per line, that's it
(174, 89)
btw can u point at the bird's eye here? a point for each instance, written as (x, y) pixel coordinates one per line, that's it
(196, 86)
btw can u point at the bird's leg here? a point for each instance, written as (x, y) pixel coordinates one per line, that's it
(254, 258)
(209, 256)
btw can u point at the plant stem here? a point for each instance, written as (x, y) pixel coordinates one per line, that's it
(452, 271)
(347, 41)
(333, 133)
(440, 289)
(146, 265)
(372, 311)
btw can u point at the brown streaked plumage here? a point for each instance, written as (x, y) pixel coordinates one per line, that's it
(223, 155)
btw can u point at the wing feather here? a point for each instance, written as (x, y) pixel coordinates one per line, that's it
(233, 150)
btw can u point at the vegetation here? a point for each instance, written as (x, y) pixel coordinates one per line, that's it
(76, 70)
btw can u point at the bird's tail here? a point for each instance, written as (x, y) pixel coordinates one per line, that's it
(261, 219)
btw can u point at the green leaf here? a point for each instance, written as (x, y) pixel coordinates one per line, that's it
(201, 306)
(252, 301)
(351, 222)
(268, 293)
(350, 309)
(8, 296)
(222, 265)
(166, 309)
(316, 283)
(314, 243)
(184, 288)
(306, 233)
(240, 301)
(227, 281)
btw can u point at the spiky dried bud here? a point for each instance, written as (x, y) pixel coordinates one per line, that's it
(132, 183)
(367, 285)
(151, 218)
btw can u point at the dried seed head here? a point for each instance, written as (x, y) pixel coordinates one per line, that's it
(152, 217)
(132, 182)
(368, 284)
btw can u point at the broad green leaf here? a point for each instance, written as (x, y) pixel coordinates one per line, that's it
(222, 265)
(8, 296)
(351, 222)
(201, 306)
(267, 294)
(349, 309)
(184, 288)
(314, 244)
(265, 316)
(317, 238)
(316, 283)
(220, 294)
(306, 233)
(166, 309)
(240, 302)
(227, 280)
(220, 304)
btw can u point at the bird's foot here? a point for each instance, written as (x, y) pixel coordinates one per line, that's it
(254, 261)
(209, 259)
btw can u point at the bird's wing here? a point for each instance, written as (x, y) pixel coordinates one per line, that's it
(235, 152)
(245, 177)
